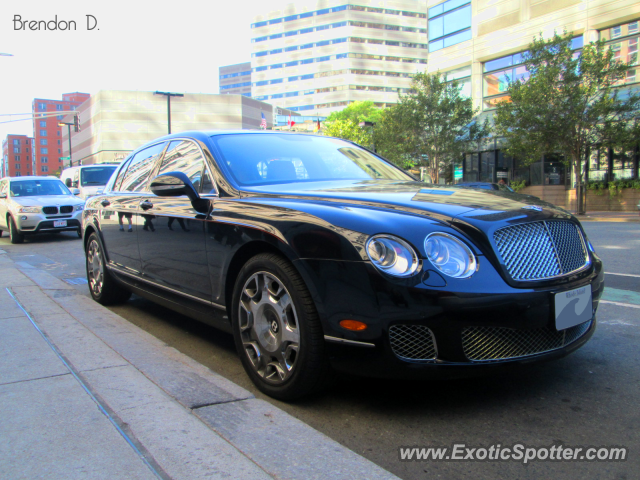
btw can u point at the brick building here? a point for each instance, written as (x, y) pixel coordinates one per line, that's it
(46, 131)
(17, 156)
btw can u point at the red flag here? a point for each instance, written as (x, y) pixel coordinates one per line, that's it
(291, 123)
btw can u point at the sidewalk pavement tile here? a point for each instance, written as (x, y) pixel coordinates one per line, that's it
(50, 428)
(24, 354)
(303, 453)
(34, 302)
(9, 308)
(184, 446)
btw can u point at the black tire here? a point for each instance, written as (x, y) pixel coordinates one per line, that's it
(280, 341)
(14, 234)
(103, 288)
(1, 232)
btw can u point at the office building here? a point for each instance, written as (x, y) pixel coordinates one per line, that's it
(46, 131)
(481, 43)
(113, 123)
(18, 157)
(317, 57)
(235, 79)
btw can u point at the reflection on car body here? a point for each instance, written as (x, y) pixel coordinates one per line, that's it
(318, 255)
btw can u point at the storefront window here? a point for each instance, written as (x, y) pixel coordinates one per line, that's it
(598, 164)
(623, 164)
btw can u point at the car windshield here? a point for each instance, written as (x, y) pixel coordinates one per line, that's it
(257, 159)
(96, 175)
(33, 188)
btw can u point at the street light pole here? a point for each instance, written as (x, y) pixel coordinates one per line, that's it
(169, 95)
(60, 124)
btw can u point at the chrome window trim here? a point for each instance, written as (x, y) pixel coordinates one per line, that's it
(329, 338)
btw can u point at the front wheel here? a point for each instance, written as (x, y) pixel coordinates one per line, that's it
(102, 286)
(14, 234)
(276, 329)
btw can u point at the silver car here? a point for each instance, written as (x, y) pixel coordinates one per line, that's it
(30, 205)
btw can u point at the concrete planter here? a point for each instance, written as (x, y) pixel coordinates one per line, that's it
(627, 201)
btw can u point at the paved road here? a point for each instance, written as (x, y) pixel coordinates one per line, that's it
(588, 398)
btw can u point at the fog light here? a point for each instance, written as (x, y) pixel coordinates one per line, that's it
(353, 325)
(24, 217)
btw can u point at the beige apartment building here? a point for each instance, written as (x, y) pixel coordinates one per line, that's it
(499, 32)
(113, 123)
(315, 57)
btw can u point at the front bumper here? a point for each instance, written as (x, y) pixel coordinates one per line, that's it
(419, 331)
(34, 223)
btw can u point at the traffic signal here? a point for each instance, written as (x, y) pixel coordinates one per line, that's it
(76, 123)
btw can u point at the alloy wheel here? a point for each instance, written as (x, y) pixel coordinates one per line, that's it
(95, 267)
(269, 327)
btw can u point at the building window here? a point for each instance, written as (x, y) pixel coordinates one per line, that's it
(43, 123)
(43, 133)
(44, 150)
(17, 158)
(42, 107)
(59, 107)
(60, 117)
(16, 141)
(17, 166)
(45, 168)
(449, 24)
(463, 76)
(44, 160)
(624, 40)
(16, 149)
(43, 141)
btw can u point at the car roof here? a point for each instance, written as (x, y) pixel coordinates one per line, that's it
(31, 177)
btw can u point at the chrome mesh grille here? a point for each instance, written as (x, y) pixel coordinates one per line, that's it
(49, 210)
(490, 344)
(539, 250)
(412, 342)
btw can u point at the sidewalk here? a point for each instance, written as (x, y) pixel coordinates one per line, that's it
(609, 216)
(84, 394)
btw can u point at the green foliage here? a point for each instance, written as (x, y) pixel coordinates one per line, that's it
(568, 103)
(432, 125)
(615, 188)
(358, 112)
(349, 130)
(597, 186)
(518, 185)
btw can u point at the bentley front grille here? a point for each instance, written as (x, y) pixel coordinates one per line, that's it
(540, 250)
(413, 342)
(490, 344)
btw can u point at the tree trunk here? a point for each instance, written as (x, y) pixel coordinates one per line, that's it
(580, 190)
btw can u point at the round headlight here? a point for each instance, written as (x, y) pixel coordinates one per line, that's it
(392, 255)
(449, 255)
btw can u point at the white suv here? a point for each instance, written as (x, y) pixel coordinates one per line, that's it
(30, 205)
(88, 179)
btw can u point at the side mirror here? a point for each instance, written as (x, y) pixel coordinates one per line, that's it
(67, 182)
(74, 184)
(176, 184)
(75, 191)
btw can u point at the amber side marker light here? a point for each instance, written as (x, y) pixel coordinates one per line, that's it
(353, 325)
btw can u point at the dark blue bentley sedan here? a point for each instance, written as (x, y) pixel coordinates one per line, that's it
(319, 255)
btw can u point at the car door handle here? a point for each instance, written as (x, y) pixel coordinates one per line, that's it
(146, 205)
(105, 203)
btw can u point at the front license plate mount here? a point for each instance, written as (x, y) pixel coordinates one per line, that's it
(59, 223)
(573, 307)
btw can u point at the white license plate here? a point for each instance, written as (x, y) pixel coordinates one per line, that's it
(573, 307)
(59, 223)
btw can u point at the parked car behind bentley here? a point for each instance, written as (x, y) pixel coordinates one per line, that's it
(319, 255)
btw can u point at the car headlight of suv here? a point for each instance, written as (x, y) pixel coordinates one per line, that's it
(79, 208)
(449, 255)
(392, 255)
(29, 210)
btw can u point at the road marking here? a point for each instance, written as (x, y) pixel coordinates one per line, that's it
(622, 274)
(621, 296)
(620, 304)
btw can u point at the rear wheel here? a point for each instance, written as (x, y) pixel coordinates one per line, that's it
(102, 286)
(276, 329)
(14, 234)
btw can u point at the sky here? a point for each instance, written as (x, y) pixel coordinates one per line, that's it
(136, 45)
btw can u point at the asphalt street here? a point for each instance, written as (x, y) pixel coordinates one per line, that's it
(586, 399)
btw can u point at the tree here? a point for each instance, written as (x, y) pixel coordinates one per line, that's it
(346, 122)
(357, 112)
(433, 124)
(568, 103)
